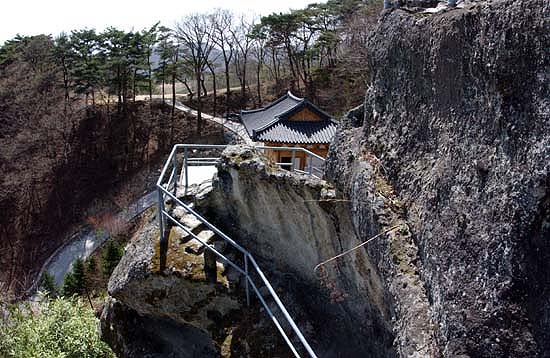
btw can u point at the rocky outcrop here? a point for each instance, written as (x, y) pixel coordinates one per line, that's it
(131, 334)
(177, 303)
(195, 307)
(293, 222)
(457, 117)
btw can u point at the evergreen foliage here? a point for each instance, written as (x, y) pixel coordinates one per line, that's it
(63, 327)
(111, 255)
(75, 281)
(49, 286)
(69, 285)
(91, 264)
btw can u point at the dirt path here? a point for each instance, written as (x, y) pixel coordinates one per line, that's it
(168, 94)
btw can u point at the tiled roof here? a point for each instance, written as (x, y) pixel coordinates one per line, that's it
(258, 118)
(270, 124)
(299, 132)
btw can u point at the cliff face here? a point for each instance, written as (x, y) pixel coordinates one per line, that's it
(291, 223)
(457, 117)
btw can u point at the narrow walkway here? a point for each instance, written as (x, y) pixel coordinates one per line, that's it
(234, 127)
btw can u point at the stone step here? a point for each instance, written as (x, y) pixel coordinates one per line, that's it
(194, 246)
(188, 220)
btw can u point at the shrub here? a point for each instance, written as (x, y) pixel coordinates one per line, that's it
(62, 327)
(91, 265)
(69, 285)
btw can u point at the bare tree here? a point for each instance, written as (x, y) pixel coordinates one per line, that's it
(243, 42)
(222, 21)
(211, 64)
(259, 53)
(194, 32)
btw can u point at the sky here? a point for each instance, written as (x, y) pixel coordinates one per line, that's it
(32, 17)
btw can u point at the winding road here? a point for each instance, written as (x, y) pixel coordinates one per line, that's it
(85, 241)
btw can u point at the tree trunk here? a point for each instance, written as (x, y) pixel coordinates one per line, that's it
(227, 86)
(174, 75)
(150, 79)
(173, 95)
(214, 89)
(199, 103)
(204, 91)
(119, 89)
(243, 84)
(134, 87)
(291, 61)
(163, 82)
(189, 91)
(258, 69)
(124, 90)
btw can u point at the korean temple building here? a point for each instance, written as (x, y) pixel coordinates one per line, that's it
(290, 121)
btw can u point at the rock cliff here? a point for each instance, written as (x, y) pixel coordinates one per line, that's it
(457, 118)
(193, 308)
(291, 223)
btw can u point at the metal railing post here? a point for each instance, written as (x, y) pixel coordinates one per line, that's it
(310, 164)
(160, 202)
(293, 161)
(162, 225)
(246, 281)
(185, 165)
(176, 173)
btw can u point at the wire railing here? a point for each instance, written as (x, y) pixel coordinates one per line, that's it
(167, 190)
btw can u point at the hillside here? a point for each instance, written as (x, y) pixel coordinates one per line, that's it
(59, 159)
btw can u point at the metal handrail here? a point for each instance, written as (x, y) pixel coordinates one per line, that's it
(164, 191)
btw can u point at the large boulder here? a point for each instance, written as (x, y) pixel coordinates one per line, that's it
(292, 222)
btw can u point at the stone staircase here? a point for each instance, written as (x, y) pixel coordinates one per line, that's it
(189, 256)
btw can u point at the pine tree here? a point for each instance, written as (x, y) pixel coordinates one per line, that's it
(110, 257)
(86, 68)
(79, 273)
(48, 285)
(91, 265)
(69, 285)
(75, 281)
